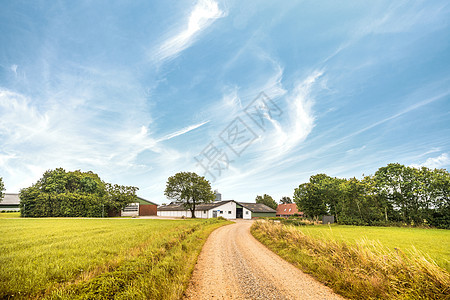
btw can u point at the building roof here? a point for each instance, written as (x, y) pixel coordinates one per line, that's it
(287, 209)
(143, 201)
(202, 206)
(257, 207)
(10, 199)
(253, 207)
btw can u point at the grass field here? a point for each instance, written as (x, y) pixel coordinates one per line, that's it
(99, 258)
(434, 243)
(366, 262)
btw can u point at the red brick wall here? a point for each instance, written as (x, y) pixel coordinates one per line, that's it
(147, 210)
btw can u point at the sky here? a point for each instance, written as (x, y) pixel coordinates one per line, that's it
(256, 96)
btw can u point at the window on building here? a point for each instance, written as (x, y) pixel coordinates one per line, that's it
(285, 209)
(246, 212)
(204, 211)
(229, 212)
(290, 209)
(221, 212)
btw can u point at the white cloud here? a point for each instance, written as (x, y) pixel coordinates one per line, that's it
(205, 12)
(438, 162)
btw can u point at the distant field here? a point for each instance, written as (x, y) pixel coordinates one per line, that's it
(432, 242)
(99, 258)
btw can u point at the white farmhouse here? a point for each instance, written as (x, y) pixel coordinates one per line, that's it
(228, 209)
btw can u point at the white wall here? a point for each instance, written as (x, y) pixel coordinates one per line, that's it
(224, 208)
(247, 215)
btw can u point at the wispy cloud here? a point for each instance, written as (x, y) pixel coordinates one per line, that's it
(204, 13)
(182, 131)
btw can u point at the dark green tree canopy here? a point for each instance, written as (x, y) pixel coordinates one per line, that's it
(395, 194)
(73, 194)
(266, 200)
(285, 200)
(189, 188)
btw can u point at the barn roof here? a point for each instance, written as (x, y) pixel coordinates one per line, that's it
(287, 209)
(145, 201)
(203, 206)
(257, 207)
(10, 199)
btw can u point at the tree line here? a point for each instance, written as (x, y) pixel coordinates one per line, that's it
(394, 194)
(74, 194)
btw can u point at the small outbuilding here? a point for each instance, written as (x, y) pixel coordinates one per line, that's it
(10, 202)
(141, 207)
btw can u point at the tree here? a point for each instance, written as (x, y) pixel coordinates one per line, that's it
(73, 194)
(2, 188)
(308, 201)
(189, 188)
(266, 200)
(285, 200)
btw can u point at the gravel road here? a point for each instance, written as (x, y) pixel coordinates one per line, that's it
(234, 265)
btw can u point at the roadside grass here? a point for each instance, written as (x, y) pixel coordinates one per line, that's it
(99, 258)
(361, 268)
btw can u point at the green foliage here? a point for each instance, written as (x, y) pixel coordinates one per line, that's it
(73, 194)
(2, 188)
(189, 188)
(266, 200)
(395, 194)
(285, 200)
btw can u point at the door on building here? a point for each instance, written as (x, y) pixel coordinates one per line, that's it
(214, 213)
(239, 212)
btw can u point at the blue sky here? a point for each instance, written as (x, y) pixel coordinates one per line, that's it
(258, 96)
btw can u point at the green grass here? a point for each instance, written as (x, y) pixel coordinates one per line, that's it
(99, 258)
(434, 243)
(361, 262)
(8, 215)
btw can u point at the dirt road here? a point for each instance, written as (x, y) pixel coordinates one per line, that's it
(234, 265)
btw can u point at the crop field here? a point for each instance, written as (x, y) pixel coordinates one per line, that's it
(99, 258)
(366, 262)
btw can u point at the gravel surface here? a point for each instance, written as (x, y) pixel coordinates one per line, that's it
(234, 265)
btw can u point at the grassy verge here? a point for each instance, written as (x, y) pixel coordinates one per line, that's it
(360, 270)
(99, 258)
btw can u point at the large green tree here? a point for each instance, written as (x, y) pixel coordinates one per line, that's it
(266, 200)
(190, 189)
(73, 194)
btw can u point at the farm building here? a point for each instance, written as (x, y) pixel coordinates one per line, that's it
(142, 207)
(228, 209)
(10, 202)
(286, 210)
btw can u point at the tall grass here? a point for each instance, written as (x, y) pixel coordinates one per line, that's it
(99, 258)
(363, 270)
